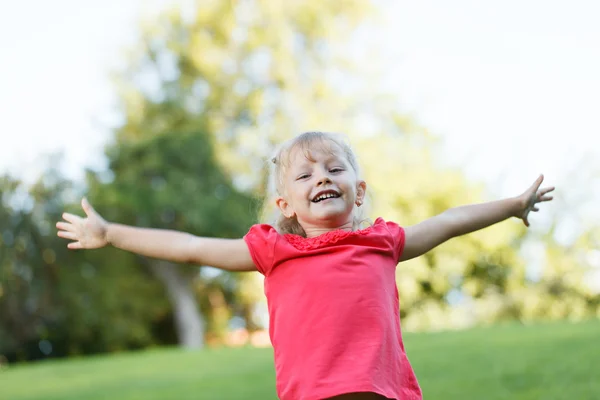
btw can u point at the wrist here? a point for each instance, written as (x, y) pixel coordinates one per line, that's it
(517, 205)
(108, 230)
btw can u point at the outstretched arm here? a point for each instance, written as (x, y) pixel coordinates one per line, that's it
(93, 232)
(422, 237)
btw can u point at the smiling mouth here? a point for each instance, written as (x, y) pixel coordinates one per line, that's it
(330, 194)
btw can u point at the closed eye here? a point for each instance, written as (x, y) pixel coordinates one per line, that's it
(336, 170)
(303, 176)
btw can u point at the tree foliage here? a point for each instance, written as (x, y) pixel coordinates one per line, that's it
(55, 302)
(204, 97)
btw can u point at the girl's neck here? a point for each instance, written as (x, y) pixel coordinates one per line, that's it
(314, 231)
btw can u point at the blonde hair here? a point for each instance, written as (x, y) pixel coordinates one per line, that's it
(276, 185)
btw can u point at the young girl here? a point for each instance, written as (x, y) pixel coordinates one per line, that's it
(330, 285)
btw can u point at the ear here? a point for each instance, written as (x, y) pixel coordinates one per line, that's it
(361, 191)
(286, 209)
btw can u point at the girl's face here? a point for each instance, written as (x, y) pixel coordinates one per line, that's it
(320, 187)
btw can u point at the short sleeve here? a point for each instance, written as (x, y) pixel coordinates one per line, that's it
(261, 240)
(398, 238)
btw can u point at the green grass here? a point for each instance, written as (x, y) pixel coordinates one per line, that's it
(549, 361)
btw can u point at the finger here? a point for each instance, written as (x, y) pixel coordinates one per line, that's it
(65, 226)
(74, 219)
(87, 207)
(547, 190)
(546, 198)
(75, 245)
(535, 209)
(538, 182)
(524, 218)
(67, 235)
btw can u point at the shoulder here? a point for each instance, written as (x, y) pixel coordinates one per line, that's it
(261, 234)
(261, 240)
(392, 233)
(261, 228)
(383, 226)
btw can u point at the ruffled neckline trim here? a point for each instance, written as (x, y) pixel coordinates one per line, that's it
(327, 238)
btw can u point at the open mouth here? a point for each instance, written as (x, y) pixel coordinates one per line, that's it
(328, 194)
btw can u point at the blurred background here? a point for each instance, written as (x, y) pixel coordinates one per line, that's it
(163, 113)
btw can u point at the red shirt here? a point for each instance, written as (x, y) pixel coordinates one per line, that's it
(334, 312)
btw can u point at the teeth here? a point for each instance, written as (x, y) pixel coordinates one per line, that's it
(325, 196)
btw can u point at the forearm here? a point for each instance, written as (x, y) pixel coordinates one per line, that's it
(470, 218)
(156, 243)
(426, 235)
(180, 247)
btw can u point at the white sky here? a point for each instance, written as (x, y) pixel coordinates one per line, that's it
(512, 86)
(55, 93)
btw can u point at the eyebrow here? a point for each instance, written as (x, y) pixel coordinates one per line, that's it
(309, 160)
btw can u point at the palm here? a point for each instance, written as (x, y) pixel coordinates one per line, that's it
(87, 233)
(531, 197)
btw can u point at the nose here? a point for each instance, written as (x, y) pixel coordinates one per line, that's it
(324, 180)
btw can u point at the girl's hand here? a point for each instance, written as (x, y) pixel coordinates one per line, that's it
(532, 196)
(87, 233)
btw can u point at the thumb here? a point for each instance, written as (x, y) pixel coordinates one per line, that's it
(525, 218)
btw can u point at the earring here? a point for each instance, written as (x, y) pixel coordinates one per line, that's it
(358, 202)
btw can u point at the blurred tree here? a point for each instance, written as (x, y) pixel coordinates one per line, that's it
(464, 280)
(53, 303)
(564, 261)
(204, 97)
(173, 182)
(488, 275)
(224, 79)
(17, 241)
(249, 73)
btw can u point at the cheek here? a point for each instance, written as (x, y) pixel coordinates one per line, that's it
(301, 193)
